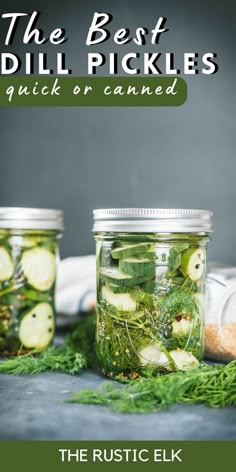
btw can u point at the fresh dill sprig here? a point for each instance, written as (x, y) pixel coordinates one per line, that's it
(64, 359)
(82, 338)
(214, 386)
(76, 353)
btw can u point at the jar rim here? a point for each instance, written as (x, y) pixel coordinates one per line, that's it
(150, 220)
(31, 218)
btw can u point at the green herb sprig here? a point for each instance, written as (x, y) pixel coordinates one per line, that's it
(76, 353)
(214, 386)
(52, 359)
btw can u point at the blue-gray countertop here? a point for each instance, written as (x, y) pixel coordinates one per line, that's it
(33, 407)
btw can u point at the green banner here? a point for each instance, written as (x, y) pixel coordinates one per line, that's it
(35, 456)
(92, 91)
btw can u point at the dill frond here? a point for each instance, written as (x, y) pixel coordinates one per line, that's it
(76, 353)
(214, 386)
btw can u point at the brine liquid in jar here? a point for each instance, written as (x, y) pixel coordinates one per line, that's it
(150, 290)
(28, 266)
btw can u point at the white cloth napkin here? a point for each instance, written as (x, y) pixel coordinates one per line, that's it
(75, 288)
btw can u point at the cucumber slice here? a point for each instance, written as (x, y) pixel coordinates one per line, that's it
(152, 355)
(116, 288)
(37, 327)
(6, 265)
(121, 301)
(130, 250)
(193, 263)
(181, 328)
(184, 360)
(39, 268)
(149, 255)
(117, 277)
(137, 267)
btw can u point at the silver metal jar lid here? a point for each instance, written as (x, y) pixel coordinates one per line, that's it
(152, 220)
(31, 218)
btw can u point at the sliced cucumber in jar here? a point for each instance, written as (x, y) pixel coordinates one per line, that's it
(152, 355)
(39, 268)
(137, 267)
(117, 288)
(6, 265)
(181, 327)
(149, 255)
(117, 277)
(130, 250)
(121, 301)
(37, 327)
(184, 360)
(193, 263)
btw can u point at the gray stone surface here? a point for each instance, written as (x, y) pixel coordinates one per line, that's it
(33, 407)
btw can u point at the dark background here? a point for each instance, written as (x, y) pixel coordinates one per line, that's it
(80, 159)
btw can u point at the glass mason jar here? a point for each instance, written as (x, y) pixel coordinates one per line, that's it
(28, 262)
(220, 321)
(151, 271)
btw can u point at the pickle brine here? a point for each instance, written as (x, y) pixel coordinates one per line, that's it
(27, 286)
(150, 302)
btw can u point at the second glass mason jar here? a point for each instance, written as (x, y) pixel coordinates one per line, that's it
(220, 322)
(151, 271)
(28, 264)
